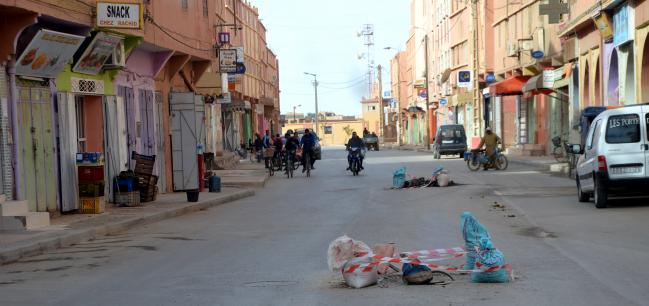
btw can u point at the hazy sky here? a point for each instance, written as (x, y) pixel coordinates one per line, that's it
(321, 37)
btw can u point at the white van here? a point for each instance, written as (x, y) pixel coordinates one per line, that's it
(615, 157)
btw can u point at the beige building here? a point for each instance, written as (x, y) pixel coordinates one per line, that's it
(335, 130)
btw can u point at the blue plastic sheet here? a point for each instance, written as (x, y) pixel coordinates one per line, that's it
(399, 178)
(489, 256)
(472, 232)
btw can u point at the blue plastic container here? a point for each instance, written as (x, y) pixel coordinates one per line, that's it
(215, 184)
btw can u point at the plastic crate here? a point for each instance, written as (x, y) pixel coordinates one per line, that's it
(149, 194)
(92, 205)
(90, 174)
(91, 190)
(130, 199)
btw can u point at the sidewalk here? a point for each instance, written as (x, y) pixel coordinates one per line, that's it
(543, 163)
(67, 230)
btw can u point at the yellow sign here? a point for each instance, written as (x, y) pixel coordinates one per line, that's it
(603, 23)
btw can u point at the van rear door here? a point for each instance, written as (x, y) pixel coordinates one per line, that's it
(624, 144)
(645, 111)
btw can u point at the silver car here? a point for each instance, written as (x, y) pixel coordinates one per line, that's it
(615, 158)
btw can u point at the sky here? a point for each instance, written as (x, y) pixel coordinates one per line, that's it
(320, 37)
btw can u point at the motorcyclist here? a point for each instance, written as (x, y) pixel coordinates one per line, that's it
(308, 143)
(490, 141)
(365, 132)
(355, 142)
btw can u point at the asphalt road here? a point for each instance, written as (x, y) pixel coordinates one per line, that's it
(271, 249)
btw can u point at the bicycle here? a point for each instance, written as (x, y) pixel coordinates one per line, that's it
(560, 151)
(290, 165)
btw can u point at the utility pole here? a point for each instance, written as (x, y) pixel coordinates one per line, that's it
(380, 78)
(368, 40)
(427, 119)
(399, 124)
(315, 86)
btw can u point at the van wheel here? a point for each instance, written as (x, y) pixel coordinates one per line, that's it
(582, 196)
(600, 194)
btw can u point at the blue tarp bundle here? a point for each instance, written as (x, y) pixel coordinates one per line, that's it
(472, 232)
(489, 256)
(399, 178)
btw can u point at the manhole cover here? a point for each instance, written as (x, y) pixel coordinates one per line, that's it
(270, 284)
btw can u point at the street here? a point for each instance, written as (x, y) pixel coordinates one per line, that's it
(270, 249)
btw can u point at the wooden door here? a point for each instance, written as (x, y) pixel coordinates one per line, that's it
(36, 147)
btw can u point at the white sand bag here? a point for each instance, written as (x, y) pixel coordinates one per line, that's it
(358, 278)
(443, 180)
(343, 249)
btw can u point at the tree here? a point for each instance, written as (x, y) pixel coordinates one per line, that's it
(348, 130)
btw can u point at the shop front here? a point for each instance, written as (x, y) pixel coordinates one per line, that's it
(141, 112)
(42, 50)
(508, 95)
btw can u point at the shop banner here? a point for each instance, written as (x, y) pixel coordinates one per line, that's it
(97, 53)
(119, 15)
(47, 54)
(623, 23)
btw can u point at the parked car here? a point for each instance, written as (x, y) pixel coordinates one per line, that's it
(615, 157)
(450, 140)
(317, 149)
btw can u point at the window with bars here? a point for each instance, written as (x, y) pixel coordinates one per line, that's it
(206, 10)
(184, 4)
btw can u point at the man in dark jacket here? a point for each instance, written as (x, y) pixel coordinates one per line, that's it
(259, 147)
(308, 144)
(355, 142)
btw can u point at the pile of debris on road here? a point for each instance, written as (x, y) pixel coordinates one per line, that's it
(439, 178)
(362, 267)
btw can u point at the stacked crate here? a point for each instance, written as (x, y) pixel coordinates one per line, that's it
(90, 170)
(146, 181)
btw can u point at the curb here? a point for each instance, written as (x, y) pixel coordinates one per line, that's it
(77, 236)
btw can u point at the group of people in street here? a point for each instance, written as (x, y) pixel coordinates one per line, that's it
(290, 144)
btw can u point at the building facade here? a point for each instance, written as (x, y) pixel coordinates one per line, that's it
(74, 82)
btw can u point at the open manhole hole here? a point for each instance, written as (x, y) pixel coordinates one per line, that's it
(270, 284)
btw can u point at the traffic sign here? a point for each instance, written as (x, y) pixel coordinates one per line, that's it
(443, 102)
(464, 78)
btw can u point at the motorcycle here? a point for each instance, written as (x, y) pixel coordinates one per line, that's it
(478, 158)
(355, 157)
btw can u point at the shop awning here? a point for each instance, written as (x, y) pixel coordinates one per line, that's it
(415, 109)
(509, 87)
(534, 86)
(565, 76)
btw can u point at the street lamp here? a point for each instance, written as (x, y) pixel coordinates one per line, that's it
(294, 107)
(315, 86)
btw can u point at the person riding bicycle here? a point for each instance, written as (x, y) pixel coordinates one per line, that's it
(291, 147)
(355, 142)
(278, 146)
(308, 143)
(490, 141)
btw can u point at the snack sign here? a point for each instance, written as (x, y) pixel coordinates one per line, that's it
(119, 15)
(47, 54)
